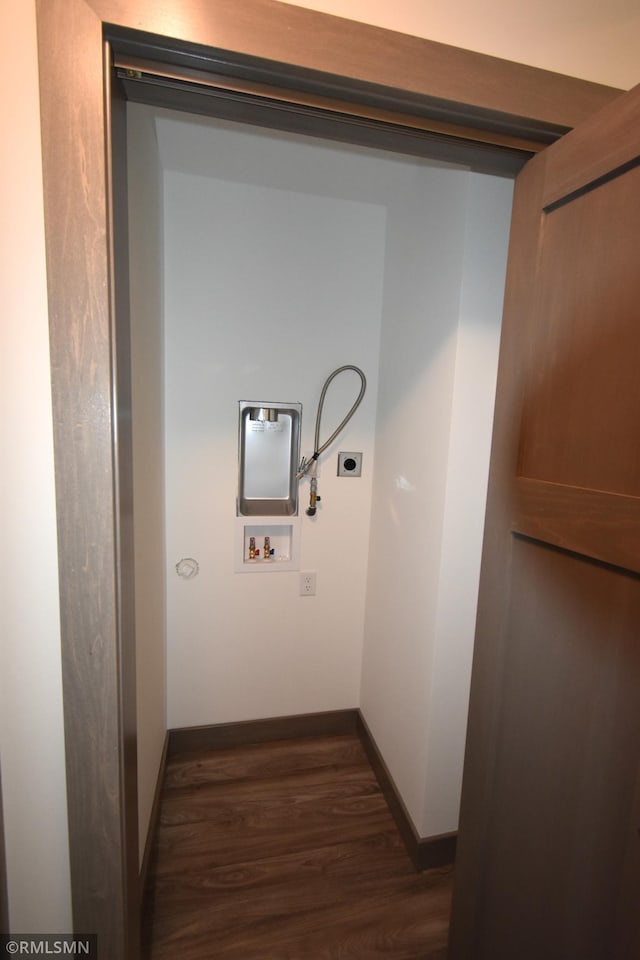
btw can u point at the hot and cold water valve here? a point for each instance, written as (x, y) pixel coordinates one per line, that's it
(268, 552)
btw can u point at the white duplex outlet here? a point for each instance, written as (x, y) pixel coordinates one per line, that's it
(307, 583)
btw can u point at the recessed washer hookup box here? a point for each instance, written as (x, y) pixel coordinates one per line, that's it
(268, 453)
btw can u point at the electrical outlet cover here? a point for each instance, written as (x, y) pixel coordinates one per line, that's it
(307, 583)
(349, 464)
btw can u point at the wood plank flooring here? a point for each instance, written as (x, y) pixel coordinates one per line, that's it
(287, 851)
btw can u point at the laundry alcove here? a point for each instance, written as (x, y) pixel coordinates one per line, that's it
(260, 261)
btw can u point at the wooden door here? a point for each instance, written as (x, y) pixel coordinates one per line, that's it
(549, 845)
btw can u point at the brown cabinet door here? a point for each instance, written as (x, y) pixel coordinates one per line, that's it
(549, 846)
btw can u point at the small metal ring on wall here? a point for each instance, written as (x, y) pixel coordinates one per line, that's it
(187, 568)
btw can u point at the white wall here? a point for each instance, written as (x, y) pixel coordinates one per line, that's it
(147, 340)
(268, 289)
(31, 733)
(417, 368)
(593, 39)
(443, 304)
(485, 258)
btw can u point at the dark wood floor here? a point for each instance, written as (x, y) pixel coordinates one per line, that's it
(287, 851)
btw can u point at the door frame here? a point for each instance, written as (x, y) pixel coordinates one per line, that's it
(355, 68)
(4, 894)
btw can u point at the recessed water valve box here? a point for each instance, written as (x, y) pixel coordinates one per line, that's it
(269, 447)
(267, 545)
(349, 464)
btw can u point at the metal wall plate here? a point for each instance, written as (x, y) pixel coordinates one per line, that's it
(349, 464)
